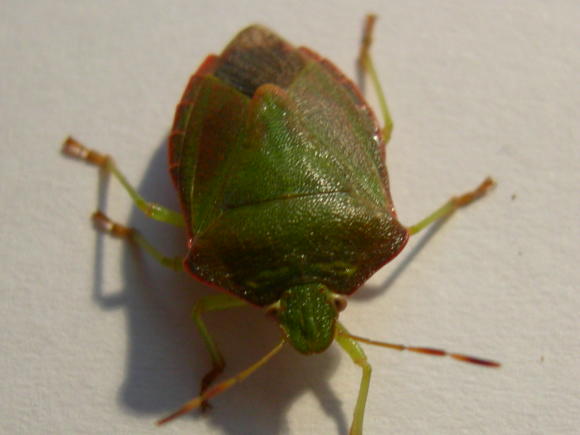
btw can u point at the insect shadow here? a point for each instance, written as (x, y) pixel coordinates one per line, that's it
(371, 291)
(166, 357)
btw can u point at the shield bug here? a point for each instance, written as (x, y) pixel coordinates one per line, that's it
(278, 162)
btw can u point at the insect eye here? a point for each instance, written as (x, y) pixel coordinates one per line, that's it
(339, 303)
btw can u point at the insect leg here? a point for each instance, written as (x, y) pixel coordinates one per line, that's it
(205, 305)
(453, 204)
(366, 64)
(222, 386)
(75, 149)
(105, 224)
(352, 348)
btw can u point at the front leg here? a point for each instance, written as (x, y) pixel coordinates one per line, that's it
(358, 356)
(208, 304)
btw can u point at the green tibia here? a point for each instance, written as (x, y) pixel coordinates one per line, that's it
(307, 315)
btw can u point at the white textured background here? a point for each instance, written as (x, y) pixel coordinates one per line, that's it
(96, 338)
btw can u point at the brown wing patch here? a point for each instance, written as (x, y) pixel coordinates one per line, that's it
(258, 56)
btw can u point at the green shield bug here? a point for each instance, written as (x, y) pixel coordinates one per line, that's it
(278, 162)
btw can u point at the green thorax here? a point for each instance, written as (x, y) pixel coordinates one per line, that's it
(280, 174)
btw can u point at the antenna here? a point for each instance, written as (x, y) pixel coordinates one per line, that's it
(427, 351)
